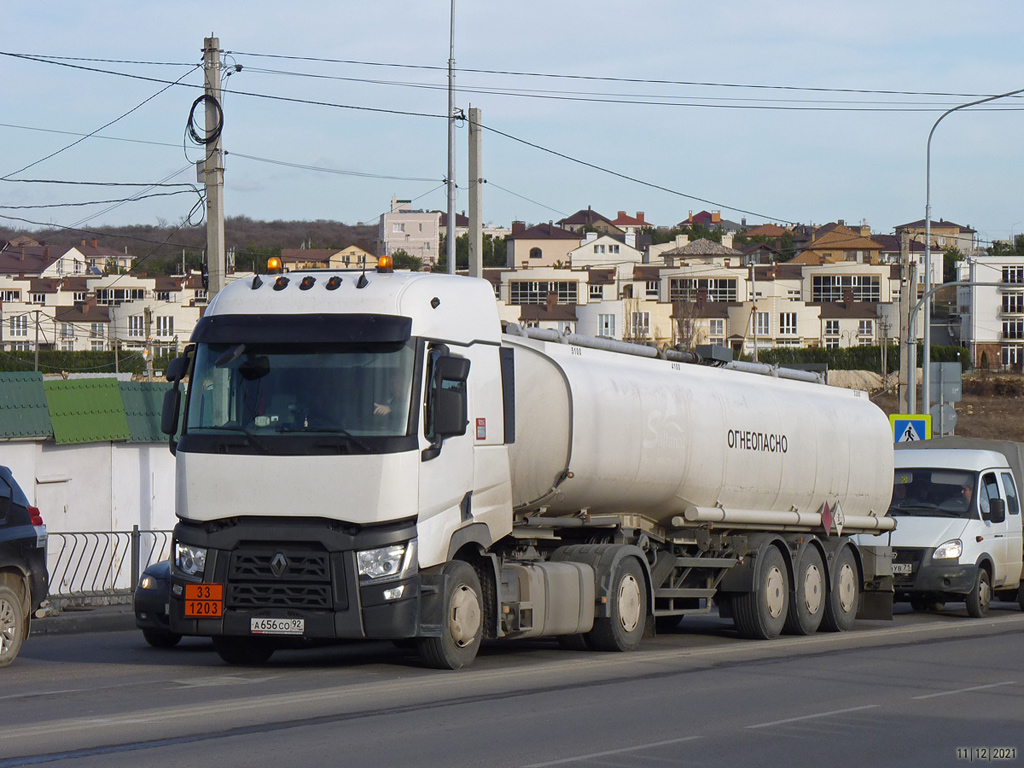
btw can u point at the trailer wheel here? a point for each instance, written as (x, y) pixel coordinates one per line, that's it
(12, 625)
(844, 596)
(462, 625)
(243, 651)
(761, 613)
(807, 599)
(624, 629)
(979, 598)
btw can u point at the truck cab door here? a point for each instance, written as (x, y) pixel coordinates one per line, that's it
(1014, 538)
(993, 530)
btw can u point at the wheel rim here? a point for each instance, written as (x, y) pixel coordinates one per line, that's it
(814, 586)
(8, 625)
(629, 602)
(847, 587)
(464, 618)
(984, 593)
(775, 592)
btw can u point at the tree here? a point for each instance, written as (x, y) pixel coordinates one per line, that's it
(949, 259)
(403, 260)
(493, 252)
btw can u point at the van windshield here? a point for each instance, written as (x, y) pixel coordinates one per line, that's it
(262, 389)
(934, 493)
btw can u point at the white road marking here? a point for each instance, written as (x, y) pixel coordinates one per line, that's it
(814, 716)
(592, 755)
(967, 690)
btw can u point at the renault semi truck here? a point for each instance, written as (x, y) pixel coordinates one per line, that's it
(372, 455)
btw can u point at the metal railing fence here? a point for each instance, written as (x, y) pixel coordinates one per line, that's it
(102, 564)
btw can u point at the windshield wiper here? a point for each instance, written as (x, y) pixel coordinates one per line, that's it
(251, 438)
(329, 431)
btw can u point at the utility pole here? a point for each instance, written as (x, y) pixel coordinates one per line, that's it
(37, 342)
(908, 343)
(147, 315)
(753, 298)
(476, 186)
(213, 167)
(452, 229)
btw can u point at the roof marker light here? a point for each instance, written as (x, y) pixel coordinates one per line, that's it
(334, 283)
(307, 282)
(281, 283)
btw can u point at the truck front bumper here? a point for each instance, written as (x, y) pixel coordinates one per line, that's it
(938, 577)
(314, 580)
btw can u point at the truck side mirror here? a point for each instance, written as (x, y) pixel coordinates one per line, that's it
(996, 511)
(447, 402)
(176, 370)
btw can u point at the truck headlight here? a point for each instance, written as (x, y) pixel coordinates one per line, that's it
(389, 563)
(189, 560)
(949, 550)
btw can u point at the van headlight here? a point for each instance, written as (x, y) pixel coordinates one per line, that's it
(390, 563)
(189, 560)
(949, 550)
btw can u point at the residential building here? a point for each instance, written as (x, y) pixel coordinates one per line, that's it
(542, 245)
(417, 232)
(589, 220)
(991, 310)
(945, 235)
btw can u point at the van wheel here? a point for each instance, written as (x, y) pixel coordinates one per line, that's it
(980, 597)
(12, 625)
(844, 596)
(807, 599)
(160, 639)
(462, 625)
(243, 651)
(624, 629)
(761, 613)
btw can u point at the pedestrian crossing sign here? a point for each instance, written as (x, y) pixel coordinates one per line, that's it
(910, 427)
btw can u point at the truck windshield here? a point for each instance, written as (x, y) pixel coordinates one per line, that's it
(934, 493)
(356, 391)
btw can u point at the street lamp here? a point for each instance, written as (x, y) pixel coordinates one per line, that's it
(926, 361)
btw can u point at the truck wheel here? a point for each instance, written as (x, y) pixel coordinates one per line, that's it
(844, 597)
(624, 629)
(244, 651)
(761, 613)
(1020, 595)
(12, 625)
(981, 596)
(462, 624)
(807, 599)
(160, 639)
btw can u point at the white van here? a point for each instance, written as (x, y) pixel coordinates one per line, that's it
(958, 531)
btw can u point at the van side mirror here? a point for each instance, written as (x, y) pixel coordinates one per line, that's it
(996, 511)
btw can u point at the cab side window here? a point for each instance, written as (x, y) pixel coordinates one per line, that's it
(1012, 505)
(989, 491)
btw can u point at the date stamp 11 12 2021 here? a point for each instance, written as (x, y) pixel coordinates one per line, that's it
(986, 754)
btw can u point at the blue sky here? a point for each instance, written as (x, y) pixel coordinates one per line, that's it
(823, 142)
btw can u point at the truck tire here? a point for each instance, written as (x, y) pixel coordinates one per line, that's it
(160, 639)
(844, 596)
(1020, 595)
(243, 651)
(462, 625)
(624, 629)
(979, 598)
(807, 598)
(761, 613)
(12, 625)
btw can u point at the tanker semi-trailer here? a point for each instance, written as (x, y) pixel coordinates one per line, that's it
(371, 455)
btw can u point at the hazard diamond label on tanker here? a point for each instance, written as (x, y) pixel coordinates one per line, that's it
(909, 427)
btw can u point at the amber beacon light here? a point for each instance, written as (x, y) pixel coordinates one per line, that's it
(385, 264)
(274, 265)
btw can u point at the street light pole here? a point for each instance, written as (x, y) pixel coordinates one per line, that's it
(927, 358)
(450, 253)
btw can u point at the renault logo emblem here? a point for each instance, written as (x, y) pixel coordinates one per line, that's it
(279, 564)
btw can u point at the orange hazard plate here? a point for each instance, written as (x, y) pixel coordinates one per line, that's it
(204, 600)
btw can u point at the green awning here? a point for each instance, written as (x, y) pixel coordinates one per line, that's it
(86, 410)
(23, 410)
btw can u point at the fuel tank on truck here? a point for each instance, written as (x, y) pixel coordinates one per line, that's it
(614, 433)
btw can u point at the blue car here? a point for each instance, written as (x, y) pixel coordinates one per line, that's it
(152, 596)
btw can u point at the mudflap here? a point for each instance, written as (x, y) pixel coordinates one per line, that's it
(875, 606)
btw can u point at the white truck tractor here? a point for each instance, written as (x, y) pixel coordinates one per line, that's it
(372, 455)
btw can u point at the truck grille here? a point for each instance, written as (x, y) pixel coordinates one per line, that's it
(280, 578)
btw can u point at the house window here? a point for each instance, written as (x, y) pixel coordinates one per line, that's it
(1012, 355)
(835, 287)
(1013, 274)
(652, 289)
(1013, 303)
(787, 323)
(831, 342)
(80, 296)
(19, 325)
(201, 294)
(717, 328)
(67, 345)
(831, 327)
(793, 294)
(536, 253)
(565, 326)
(20, 346)
(606, 326)
(96, 331)
(596, 292)
(1012, 329)
(398, 227)
(716, 289)
(598, 249)
(164, 326)
(536, 291)
(613, 249)
(10, 295)
(761, 324)
(163, 295)
(96, 346)
(38, 298)
(136, 325)
(640, 325)
(866, 328)
(67, 331)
